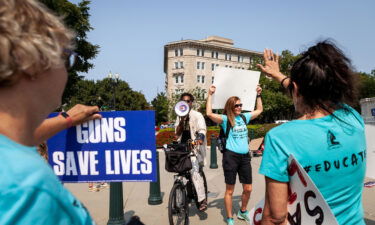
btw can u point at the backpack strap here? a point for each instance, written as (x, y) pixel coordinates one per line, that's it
(228, 129)
(243, 118)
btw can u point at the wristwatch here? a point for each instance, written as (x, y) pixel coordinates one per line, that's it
(68, 119)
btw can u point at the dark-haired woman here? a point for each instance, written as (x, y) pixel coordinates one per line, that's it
(236, 158)
(328, 131)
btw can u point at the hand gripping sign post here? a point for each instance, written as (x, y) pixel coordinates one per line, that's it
(234, 82)
(118, 147)
(306, 204)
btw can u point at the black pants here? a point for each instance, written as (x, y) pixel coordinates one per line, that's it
(234, 163)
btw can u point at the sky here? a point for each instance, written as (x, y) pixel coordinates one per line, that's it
(132, 33)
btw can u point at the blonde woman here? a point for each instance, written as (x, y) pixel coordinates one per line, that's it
(34, 56)
(236, 157)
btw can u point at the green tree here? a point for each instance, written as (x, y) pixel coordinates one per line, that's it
(117, 94)
(366, 85)
(109, 95)
(161, 105)
(76, 17)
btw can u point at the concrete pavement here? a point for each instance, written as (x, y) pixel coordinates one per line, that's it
(136, 198)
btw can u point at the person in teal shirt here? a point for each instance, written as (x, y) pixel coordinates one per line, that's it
(36, 51)
(236, 157)
(328, 138)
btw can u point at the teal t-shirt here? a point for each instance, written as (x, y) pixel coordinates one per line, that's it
(30, 193)
(237, 140)
(332, 152)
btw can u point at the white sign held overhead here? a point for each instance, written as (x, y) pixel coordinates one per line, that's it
(306, 205)
(234, 82)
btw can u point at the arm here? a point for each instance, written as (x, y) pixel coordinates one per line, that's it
(271, 67)
(259, 105)
(78, 114)
(275, 206)
(213, 116)
(201, 127)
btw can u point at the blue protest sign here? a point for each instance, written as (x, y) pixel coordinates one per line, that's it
(119, 147)
(373, 112)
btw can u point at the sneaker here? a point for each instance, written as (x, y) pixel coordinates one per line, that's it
(243, 216)
(230, 221)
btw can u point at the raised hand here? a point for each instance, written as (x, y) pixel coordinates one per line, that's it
(271, 64)
(212, 90)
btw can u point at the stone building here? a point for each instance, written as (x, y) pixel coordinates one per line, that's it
(190, 64)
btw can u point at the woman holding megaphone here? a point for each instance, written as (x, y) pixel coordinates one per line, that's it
(236, 157)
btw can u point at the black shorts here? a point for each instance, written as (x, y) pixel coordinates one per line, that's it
(234, 163)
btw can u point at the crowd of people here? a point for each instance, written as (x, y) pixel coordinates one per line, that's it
(36, 49)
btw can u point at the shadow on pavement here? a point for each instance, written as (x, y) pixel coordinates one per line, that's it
(193, 211)
(128, 215)
(219, 203)
(369, 222)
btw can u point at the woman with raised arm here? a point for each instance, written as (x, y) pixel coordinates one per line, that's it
(236, 157)
(35, 53)
(327, 139)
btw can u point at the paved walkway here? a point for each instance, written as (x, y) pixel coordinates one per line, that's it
(136, 198)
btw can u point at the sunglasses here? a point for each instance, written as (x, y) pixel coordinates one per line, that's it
(70, 58)
(237, 105)
(187, 101)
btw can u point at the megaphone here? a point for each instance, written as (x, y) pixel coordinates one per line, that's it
(181, 108)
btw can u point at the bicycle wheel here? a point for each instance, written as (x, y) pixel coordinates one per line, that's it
(178, 207)
(205, 189)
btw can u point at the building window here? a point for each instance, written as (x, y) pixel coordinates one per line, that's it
(200, 79)
(228, 57)
(200, 52)
(178, 91)
(226, 66)
(178, 52)
(213, 78)
(179, 78)
(240, 58)
(200, 65)
(214, 54)
(212, 66)
(179, 65)
(217, 65)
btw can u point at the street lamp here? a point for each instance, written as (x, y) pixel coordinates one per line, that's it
(116, 203)
(114, 81)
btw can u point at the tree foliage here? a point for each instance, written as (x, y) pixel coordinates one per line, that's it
(109, 94)
(367, 85)
(161, 106)
(76, 17)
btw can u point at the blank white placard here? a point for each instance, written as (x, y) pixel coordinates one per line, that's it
(235, 82)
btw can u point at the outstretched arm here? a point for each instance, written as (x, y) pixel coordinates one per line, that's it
(213, 116)
(271, 67)
(78, 114)
(259, 105)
